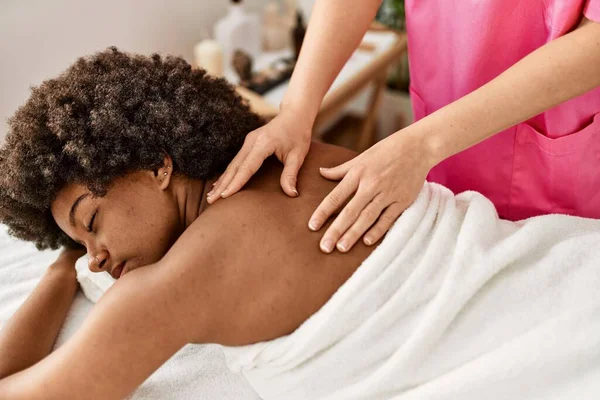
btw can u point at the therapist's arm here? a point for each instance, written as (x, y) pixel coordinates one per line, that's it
(556, 72)
(386, 178)
(335, 29)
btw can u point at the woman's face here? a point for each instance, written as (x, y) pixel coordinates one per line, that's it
(136, 222)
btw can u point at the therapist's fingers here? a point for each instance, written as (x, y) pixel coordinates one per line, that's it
(337, 173)
(289, 176)
(217, 184)
(366, 219)
(247, 168)
(333, 201)
(228, 175)
(345, 219)
(383, 224)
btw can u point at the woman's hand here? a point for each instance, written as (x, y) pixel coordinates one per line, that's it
(66, 260)
(286, 136)
(70, 255)
(385, 180)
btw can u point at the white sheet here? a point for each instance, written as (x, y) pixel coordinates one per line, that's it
(454, 304)
(195, 372)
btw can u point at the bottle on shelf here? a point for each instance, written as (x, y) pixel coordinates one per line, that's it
(298, 34)
(238, 30)
(275, 28)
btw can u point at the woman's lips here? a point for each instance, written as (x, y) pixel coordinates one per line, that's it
(118, 271)
(124, 270)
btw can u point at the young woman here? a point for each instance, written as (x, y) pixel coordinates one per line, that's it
(115, 157)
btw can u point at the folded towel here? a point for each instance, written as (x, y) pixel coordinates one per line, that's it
(453, 304)
(93, 284)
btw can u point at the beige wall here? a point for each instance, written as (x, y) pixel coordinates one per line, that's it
(40, 38)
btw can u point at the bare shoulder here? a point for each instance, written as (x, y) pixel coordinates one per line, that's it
(327, 155)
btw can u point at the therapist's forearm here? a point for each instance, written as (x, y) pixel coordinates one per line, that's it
(30, 333)
(556, 72)
(335, 29)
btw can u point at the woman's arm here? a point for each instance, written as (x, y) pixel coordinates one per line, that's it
(556, 72)
(30, 333)
(132, 330)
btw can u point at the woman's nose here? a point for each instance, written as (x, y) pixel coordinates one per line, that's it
(96, 262)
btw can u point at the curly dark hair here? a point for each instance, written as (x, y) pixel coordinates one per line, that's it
(109, 114)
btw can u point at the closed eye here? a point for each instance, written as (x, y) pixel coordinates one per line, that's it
(91, 224)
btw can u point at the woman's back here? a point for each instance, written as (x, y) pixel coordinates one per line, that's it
(272, 274)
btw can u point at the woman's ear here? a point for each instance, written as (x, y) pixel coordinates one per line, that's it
(164, 173)
(164, 176)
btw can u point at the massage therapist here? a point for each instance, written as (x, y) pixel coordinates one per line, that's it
(505, 101)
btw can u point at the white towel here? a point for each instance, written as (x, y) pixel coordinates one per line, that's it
(93, 284)
(453, 304)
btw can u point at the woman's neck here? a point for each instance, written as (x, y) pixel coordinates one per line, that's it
(190, 195)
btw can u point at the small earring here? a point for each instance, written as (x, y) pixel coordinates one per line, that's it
(166, 174)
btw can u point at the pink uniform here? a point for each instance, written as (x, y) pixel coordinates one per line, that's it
(548, 164)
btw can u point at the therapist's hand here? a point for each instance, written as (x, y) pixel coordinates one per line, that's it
(287, 136)
(385, 180)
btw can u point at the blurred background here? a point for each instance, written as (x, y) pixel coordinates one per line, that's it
(252, 43)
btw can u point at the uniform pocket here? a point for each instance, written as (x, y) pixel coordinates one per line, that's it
(560, 175)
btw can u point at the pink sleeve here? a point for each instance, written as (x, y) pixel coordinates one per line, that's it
(591, 10)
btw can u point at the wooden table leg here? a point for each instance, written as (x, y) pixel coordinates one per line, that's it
(367, 133)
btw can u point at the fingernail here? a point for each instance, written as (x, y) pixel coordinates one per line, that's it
(212, 197)
(313, 225)
(322, 169)
(327, 245)
(368, 241)
(295, 191)
(342, 246)
(224, 192)
(210, 193)
(214, 183)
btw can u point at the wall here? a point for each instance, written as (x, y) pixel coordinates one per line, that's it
(40, 38)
